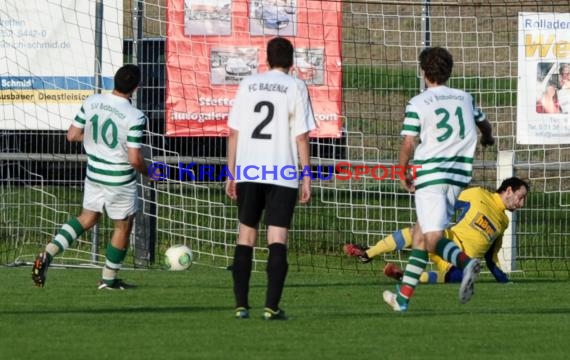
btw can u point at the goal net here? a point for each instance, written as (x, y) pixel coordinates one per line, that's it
(359, 59)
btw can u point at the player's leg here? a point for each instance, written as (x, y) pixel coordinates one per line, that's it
(432, 208)
(398, 240)
(277, 268)
(279, 208)
(241, 269)
(115, 255)
(65, 237)
(250, 204)
(120, 205)
(453, 275)
(445, 272)
(69, 232)
(447, 247)
(416, 265)
(432, 213)
(450, 252)
(439, 275)
(432, 277)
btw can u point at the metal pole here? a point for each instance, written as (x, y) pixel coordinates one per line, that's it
(98, 45)
(137, 23)
(425, 33)
(98, 85)
(145, 219)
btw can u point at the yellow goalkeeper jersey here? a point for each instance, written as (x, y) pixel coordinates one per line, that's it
(480, 225)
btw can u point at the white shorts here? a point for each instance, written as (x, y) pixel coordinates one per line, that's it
(119, 201)
(435, 206)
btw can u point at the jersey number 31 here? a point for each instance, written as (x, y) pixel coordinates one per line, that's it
(445, 125)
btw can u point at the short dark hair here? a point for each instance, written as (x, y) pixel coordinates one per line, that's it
(280, 53)
(514, 183)
(437, 64)
(127, 78)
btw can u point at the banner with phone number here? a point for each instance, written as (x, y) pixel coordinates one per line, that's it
(543, 94)
(48, 56)
(212, 45)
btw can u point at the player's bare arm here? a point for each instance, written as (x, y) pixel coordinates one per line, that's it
(231, 191)
(74, 134)
(305, 160)
(406, 151)
(136, 159)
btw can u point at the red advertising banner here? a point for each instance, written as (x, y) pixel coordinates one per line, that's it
(211, 45)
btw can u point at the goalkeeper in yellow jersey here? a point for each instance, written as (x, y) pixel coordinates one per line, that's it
(478, 232)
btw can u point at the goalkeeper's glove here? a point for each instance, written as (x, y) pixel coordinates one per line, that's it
(487, 141)
(499, 275)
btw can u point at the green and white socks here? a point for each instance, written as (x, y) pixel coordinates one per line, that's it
(67, 234)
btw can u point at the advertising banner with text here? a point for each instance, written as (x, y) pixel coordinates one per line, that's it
(213, 44)
(543, 101)
(48, 61)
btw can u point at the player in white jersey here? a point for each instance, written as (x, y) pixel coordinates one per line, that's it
(269, 125)
(111, 130)
(444, 119)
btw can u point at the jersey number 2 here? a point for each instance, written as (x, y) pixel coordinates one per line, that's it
(109, 132)
(444, 123)
(257, 134)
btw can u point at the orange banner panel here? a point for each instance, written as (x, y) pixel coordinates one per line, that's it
(212, 45)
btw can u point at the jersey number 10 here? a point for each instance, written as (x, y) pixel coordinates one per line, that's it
(108, 134)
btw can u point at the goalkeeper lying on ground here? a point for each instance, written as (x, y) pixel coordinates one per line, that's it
(478, 232)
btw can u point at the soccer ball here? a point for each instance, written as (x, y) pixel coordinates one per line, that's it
(178, 258)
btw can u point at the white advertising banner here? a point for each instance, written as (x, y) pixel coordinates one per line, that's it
(47, 65)
(543, 101)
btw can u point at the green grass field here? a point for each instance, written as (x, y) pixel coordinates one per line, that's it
(188, 315)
